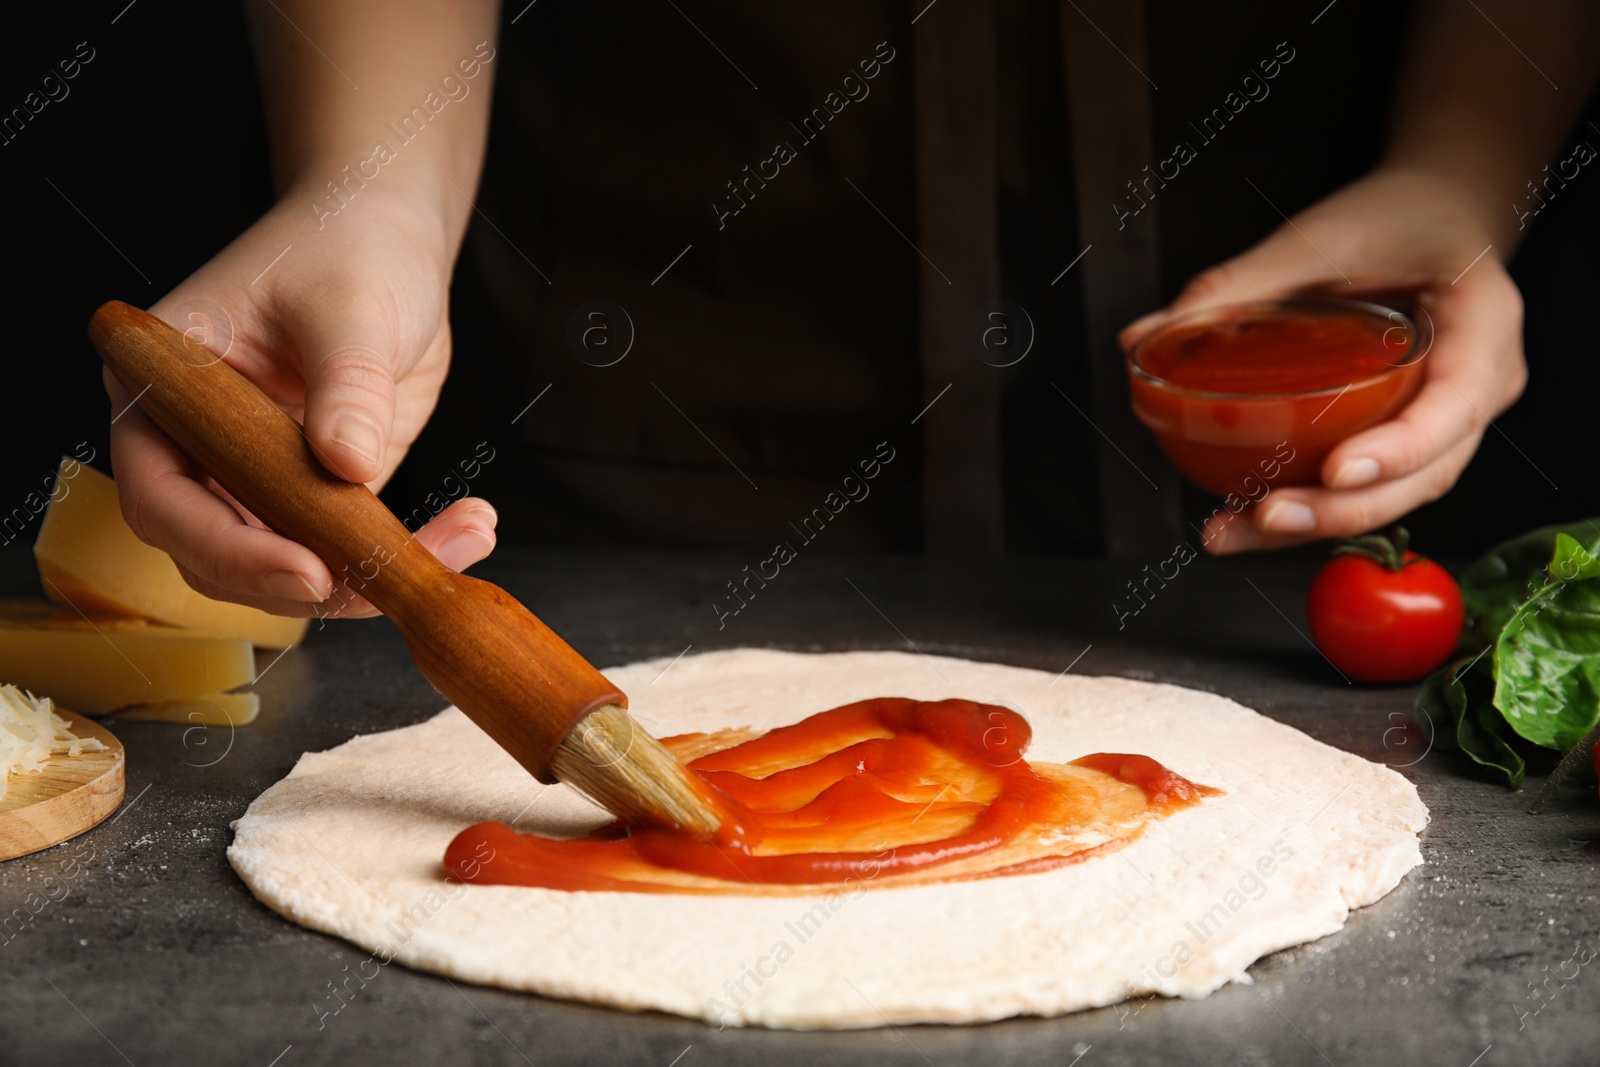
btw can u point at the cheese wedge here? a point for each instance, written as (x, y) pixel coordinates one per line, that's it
(93, 664)
(90, 559)
(218, 709)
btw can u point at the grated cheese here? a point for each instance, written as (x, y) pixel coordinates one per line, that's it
(31, 732)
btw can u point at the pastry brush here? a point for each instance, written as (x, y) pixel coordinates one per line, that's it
(511, 674)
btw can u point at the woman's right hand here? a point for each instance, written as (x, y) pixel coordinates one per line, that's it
(345, 326)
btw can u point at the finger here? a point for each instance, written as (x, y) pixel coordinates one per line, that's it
(459, 536)
(1294, 516)
(1285, 262)
(295, 609)
(167, 506)
(1226, 532)
(350, 350)
(1475, 370)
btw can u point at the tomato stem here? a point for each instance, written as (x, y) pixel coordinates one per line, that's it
(1386, 550)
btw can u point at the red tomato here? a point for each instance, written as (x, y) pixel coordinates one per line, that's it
(1383, 614)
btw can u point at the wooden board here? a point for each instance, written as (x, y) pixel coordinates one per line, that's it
(68, 795)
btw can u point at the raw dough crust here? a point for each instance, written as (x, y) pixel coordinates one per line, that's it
(350, 843)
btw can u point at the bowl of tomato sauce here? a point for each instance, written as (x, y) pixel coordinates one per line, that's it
(1237, 391)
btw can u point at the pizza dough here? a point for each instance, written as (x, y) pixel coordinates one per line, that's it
(350, 843)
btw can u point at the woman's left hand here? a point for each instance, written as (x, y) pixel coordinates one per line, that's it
(1393, 230)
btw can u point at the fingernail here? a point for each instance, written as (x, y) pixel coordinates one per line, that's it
(1288, 516)
(359, 434)
(1356, 472)
(470, 544)
(486, 512)
(291, 585)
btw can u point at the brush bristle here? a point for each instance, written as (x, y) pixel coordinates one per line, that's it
(612, 760)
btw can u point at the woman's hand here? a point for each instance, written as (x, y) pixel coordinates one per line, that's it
(348, 333)
(1394, 230)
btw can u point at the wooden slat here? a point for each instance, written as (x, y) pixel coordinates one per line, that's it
(953, 49)
(1108, 111)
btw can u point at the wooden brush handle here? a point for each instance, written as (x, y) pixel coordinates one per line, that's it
(486, 653)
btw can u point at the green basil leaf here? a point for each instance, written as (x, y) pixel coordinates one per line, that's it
(1571, 561)
(1482, 735)
(1493, 587)
(1439, 705)
(1457, 715)
(1547, 659)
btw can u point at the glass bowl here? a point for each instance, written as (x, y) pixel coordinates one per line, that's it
(1257, 393)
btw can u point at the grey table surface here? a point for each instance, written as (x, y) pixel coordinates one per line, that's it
(150, 951)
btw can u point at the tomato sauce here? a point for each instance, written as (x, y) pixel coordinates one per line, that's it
(1231, 391)
(889, 790)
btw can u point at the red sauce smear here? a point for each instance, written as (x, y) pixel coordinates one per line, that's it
(1276, 352)
(889, 788)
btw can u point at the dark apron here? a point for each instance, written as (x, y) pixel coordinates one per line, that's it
(732, 275)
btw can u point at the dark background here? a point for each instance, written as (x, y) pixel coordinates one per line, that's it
(160, 148)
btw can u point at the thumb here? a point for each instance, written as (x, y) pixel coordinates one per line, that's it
(350, 354)
(1280, 265)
